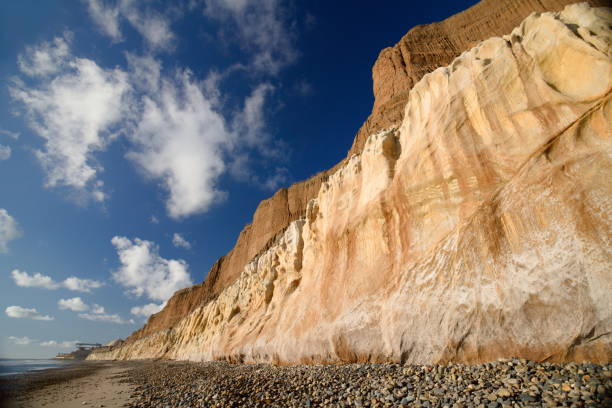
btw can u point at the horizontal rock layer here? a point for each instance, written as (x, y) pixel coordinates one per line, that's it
(479, 228)
(397, 69)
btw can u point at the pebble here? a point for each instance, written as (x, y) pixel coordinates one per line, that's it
(516, 383)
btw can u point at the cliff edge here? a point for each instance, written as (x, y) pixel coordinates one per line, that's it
(473, 226)
(422, 50)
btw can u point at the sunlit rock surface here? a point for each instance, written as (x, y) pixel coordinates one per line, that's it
(479, 228)
(423, 49)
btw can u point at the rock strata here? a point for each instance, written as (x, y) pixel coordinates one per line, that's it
(397, 69)
(477, 229)
(428, 47)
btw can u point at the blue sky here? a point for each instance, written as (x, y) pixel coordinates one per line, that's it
(137, 138)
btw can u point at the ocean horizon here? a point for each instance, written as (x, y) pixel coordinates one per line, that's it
(15, 366)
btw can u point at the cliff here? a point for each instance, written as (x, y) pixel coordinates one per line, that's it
(478, 228)
(397, 69)
(427, 47)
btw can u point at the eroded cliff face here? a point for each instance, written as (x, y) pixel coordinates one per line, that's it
(397, 69)
(478, 228)
(427, 47)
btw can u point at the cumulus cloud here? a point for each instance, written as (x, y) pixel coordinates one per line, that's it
(19, 312)
(261, 27)
(5, 152)
(184, 141)
(147, 310)
(144, 272)
(22, 341)
(75, 304)
(180, 242)
(179, 139)
(45, 59)
(81, 285)
(176, 125)
(152, 25)
(114, 318)
(37, 280)
(59, 344)
(9, 229)
(74, 108)
(95, 313)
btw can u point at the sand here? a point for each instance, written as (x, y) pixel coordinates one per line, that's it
(85, 385)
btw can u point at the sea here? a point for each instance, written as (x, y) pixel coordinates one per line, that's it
(13, 366)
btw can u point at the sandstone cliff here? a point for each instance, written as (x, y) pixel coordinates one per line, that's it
(427, 47)
(397, 69)
(479, 227)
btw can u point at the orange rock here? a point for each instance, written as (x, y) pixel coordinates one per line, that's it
(478, 228)
(422, 50)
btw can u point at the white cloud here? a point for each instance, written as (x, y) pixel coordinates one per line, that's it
(97, 309)
(144, 272)
(5, 152)
(251, 125)
(46, 59)
(153, 220)
(107, 17)
(37, 280)
(75, 304)
(22, 341)
(74, 109)
(145, 71)
(178, 134)
(19, 312)
(24, 279)
(180, 242)
(147, 310)
(12, 135)
(9, 229)
(152, 25)
(261, 27)
(96, 312)
(251, 122)
(59, 344)
(184, 141)
(81, 285)
(179, 140)
(114, 318)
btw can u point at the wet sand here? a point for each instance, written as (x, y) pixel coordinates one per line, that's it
(84, 384)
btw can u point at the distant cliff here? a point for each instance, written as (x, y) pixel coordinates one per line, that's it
(470, 221)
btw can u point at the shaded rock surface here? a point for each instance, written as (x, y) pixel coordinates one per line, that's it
(477, 229)
(397, 69)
